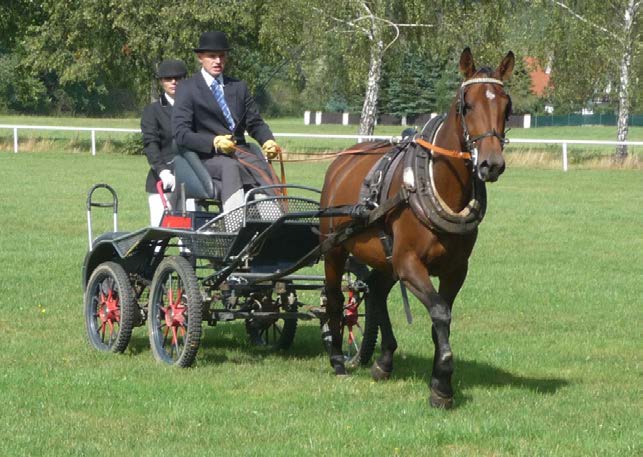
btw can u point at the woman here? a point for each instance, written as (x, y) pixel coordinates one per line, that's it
(156, 125)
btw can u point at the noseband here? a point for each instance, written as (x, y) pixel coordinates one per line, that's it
(472, 143)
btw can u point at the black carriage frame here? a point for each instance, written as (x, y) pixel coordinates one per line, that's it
(230, 276)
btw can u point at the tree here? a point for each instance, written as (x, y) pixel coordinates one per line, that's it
(106, 45)
(417, 82)
(16, 17)
(359, 31)
(380, 23)
(602, 36)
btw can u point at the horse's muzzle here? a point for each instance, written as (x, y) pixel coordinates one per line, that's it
(490, 169)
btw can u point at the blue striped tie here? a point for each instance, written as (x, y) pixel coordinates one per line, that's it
(216, 89)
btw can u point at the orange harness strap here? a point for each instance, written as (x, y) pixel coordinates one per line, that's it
(446, 152)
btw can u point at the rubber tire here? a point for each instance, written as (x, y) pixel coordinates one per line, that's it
(194, 303)
(127, 304)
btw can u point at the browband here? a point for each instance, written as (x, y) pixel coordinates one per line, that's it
(482, 80)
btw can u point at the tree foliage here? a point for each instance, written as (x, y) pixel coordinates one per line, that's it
(99, 56)
(111, 46)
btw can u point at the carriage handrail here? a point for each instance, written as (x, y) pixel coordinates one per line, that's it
(255, 190)
(258, 190)
(91, 203)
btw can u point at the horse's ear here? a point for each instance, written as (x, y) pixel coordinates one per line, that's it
(467, 66)
(506, 67)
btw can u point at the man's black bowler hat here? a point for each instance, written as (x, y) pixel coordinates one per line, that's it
(213, 41)
(171, 69)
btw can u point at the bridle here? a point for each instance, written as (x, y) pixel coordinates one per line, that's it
(471, 144)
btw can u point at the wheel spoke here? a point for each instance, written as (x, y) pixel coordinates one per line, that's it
(166, 332)
(176, 346)
(174, 340)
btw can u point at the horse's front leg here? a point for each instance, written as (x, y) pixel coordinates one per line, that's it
(334, 261)
(441, 392)
(415, 275)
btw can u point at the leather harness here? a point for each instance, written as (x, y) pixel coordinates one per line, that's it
(418, 190)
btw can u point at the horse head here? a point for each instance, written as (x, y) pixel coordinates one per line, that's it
(483, 108)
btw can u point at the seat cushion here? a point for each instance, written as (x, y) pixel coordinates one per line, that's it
(190, 171)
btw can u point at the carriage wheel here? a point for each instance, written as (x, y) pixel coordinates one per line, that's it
(359, 329)
(175, 313)
(111, 310)
(276, 333)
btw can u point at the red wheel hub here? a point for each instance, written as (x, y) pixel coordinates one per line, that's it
(109, 311)
(351, 315)
(175, 315)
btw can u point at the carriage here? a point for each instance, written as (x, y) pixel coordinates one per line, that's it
(409, 211)
(194, 269)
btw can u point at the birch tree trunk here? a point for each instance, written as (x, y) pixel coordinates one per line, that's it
(624, 89)
(369, 109)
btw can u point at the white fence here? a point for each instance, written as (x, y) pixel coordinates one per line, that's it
(358, 138)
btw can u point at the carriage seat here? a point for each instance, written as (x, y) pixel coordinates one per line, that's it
(199, 185)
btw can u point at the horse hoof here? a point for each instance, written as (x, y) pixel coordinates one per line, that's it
(340, 371)
(439, 401)
(378, 374)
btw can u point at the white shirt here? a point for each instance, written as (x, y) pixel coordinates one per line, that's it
(209, 79)
(169, 99)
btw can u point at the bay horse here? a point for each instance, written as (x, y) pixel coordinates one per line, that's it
(466, 151)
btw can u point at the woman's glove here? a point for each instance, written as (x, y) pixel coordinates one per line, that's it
(169, 182)
(224, 144)
(271, 149)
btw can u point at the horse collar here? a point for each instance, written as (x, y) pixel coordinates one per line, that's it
(425, 200)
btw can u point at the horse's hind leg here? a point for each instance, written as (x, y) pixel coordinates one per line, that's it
(334, 261)
(379, 286)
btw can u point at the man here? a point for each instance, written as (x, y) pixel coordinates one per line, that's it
(210, 116)
(156, 126)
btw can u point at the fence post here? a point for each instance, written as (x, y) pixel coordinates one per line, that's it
(93, 142)
(15, 140)
(564, 156)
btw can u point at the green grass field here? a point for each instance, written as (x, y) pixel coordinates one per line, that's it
(546, 334)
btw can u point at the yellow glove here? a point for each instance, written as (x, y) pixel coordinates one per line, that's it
(271, 149)
(224, 144)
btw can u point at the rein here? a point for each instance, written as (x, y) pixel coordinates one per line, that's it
(272, 178)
